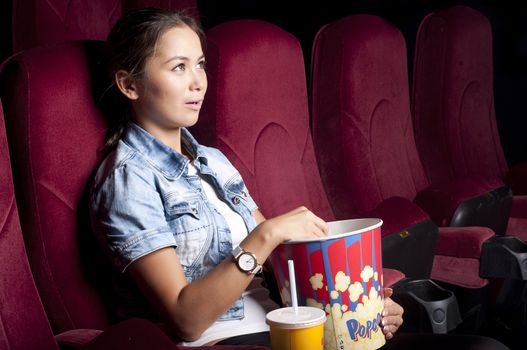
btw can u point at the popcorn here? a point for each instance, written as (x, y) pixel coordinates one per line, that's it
(367, 273)
(341, 281)
(355, 291)
(343, 277)
(334, 294)
(316, 281)
(353, 329)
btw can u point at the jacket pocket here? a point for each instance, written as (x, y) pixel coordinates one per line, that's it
(192, 232)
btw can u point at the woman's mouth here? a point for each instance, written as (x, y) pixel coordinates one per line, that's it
(194, 105)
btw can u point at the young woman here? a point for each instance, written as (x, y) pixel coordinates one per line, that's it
(172, 214)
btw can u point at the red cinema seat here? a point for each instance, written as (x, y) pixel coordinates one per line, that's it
(36, 22)
(24, 325)
(261, 125)
(364, 141)
(56, 133)
(189, 6)
(453, 106)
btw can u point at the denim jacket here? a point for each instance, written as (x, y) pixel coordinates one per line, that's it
(143, 199)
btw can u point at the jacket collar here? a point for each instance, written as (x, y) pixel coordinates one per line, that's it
(166, 159)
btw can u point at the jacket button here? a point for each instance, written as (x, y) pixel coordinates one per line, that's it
(236, 200)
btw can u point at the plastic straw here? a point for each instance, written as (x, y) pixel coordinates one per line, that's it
(292, 284)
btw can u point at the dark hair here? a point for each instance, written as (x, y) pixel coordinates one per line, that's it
(130, 43)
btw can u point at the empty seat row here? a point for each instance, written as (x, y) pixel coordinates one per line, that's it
(453, 107)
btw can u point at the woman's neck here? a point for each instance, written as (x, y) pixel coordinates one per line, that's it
(169, 136)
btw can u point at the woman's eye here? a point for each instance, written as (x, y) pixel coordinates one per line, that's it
(179, 67)
(201, 65)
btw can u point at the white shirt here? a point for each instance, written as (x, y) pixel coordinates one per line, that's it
(255, 298)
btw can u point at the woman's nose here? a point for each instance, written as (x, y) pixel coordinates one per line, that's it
(199, 80)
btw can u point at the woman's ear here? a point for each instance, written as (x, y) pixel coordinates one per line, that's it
(127, 84)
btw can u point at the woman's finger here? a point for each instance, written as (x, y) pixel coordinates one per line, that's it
(392, 321)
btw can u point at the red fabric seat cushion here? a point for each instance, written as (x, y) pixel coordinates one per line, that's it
(397, 214)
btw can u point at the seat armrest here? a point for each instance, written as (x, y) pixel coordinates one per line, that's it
(441, 200)
(391, 276)
(468, 202)
(462, 242)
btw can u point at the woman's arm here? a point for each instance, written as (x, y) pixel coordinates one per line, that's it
(191, 308)
(258, 216)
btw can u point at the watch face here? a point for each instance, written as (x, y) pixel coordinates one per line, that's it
(246, 262)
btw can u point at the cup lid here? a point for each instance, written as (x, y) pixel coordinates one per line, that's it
(307, 316)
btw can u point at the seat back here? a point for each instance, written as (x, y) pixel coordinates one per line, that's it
(256, 112)
(56, 133)
(23, 323)
(189, 6)
(36, 22)
(362, 128)
(453, 103)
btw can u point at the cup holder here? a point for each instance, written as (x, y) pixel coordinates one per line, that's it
(428, 307)
(504, 257)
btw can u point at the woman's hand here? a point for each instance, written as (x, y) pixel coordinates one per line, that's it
(392, 315)
(296, 224)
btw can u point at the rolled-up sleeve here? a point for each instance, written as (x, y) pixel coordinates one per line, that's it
(128, 216)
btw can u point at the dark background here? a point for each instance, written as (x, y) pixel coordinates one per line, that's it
(508, 20)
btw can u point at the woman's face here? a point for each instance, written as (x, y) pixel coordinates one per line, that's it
(171, 92)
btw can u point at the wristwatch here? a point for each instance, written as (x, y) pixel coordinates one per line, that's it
(246, 261)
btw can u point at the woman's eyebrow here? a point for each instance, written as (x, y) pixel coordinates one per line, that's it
(182, 58)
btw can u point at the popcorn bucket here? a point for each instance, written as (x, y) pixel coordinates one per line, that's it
(341, 274)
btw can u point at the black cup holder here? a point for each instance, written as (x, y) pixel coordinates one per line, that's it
(428, 307)
(504, 257)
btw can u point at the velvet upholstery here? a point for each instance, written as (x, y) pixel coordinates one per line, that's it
(23, 323)
(189, 6)
(440, 200)
(261, 124)
(256, 112)
(363, 135)
(458, 271)
(55, 133)
(365, 116)
(40, 22)
(453, 103)
(462, 242)
(397, 214)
